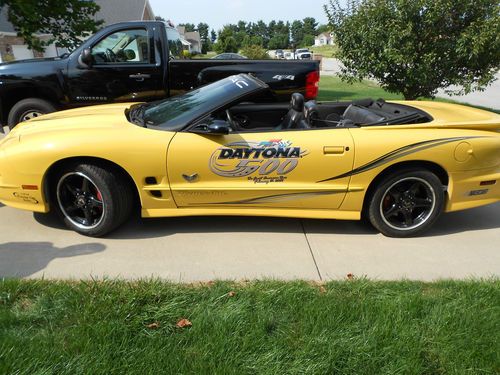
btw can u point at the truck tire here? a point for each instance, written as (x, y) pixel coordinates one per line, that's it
(27, 109)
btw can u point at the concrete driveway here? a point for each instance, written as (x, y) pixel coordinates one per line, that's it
(463, 244)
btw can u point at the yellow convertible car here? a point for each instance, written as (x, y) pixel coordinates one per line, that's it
(225, 149)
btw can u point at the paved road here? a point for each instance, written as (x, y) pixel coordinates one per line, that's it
(463, 244)
(490, 97)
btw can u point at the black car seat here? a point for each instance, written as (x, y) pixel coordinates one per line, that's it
(311, 114)
(295, 115)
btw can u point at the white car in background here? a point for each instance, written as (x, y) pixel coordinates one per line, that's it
(303, 54)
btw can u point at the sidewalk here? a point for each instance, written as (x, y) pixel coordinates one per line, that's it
(489, 98)
(462, 244)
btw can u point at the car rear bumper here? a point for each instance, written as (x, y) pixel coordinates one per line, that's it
(473, 189)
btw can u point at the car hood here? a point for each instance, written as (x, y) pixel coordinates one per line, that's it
(86, 118)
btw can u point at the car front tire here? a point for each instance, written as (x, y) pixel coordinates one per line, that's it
(406, 203)
(92, 200)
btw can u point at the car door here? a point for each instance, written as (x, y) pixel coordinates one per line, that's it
(124, 68)
(277, 169)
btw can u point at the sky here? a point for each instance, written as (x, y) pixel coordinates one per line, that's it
(218, 13)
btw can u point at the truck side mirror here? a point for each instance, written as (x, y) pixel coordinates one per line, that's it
(86, 59)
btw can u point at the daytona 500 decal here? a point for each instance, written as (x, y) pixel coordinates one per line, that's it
(275, 158)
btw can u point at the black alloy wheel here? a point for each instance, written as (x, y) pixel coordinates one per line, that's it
(91, 199)
(80, 200)
(407, 203)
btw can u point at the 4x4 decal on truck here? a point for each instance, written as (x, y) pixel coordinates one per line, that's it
(275, 158)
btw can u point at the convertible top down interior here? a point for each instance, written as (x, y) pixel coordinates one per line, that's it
(300, 114)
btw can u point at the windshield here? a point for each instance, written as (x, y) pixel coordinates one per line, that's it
(178, 111)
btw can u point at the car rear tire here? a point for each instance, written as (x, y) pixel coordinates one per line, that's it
(91, 200)
(27, 109)
(406, 203)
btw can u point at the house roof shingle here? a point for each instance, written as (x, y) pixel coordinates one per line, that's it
(113, 11)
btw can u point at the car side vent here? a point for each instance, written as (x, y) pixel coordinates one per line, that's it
(156, 193)
(151, 181)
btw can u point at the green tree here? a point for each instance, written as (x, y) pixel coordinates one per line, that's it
(418, 46)
(226, 41)
(239, 37)
(297, 32)
(213, 36)
(279, 41)
(255, 52)
(323, 29)
(190, 27)
(68, 21)
(206, 43)
(262, 31)
(230, 45)
(242, 26)
(251, 41)
(309, 26)
(307, 41)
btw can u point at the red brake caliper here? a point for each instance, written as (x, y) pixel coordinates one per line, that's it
(99, 195)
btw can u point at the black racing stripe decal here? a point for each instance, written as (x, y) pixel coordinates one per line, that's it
(399, 153)
(280, 197)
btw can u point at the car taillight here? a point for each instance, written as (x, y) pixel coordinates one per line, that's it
(312, 85)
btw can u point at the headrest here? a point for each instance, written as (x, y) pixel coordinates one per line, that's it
(297, 102)
(311, 110)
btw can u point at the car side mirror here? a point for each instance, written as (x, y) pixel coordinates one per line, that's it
(215, 128)
(86, 59)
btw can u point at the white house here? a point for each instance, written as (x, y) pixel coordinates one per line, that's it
(324, 39)
(190, 39)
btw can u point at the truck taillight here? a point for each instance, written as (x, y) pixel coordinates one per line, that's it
(312, 85)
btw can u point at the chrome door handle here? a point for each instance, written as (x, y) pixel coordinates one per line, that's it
(140, 77)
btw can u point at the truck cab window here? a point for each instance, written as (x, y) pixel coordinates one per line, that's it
(175, 45)
(126, 46)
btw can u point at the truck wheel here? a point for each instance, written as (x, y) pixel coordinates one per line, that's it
(27, 109)
(91, 200)
(406, 203)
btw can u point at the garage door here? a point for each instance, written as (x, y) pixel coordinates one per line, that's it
(21, 52)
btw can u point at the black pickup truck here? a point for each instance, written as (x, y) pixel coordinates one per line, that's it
(132, 61)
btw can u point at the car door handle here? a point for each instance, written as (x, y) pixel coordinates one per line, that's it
(139, 76)
(334, 150)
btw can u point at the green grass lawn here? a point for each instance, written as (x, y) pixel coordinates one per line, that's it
(332, 88)
(351, 327)
(326, 51)
(208, 55)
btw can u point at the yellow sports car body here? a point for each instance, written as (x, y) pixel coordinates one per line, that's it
(222, 150)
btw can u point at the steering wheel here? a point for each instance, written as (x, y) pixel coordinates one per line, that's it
(110, 55)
